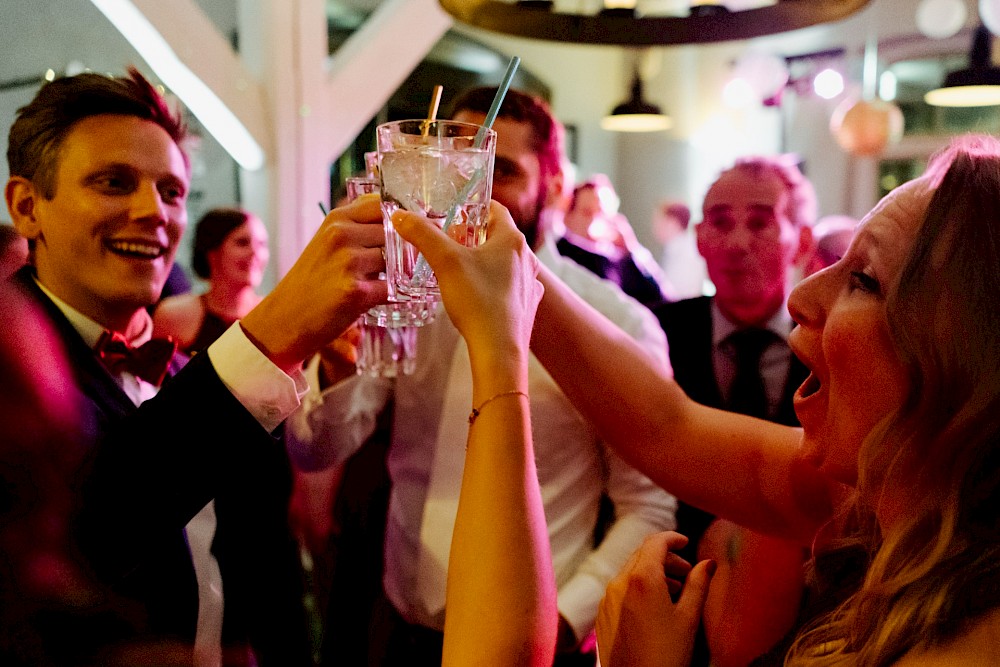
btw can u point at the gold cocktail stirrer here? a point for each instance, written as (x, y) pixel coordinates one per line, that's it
(432, 110)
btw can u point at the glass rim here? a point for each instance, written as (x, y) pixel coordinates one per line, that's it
(439, 121)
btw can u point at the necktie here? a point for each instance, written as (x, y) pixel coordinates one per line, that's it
(148, 361)
(748, 395)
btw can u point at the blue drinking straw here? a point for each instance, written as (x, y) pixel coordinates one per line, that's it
(421, 270)
(491, 115)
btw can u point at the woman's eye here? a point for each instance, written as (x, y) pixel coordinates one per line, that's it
(172, 195)
(863, 281)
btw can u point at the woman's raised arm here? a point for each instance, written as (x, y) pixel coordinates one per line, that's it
(737, 467)
(501, 593)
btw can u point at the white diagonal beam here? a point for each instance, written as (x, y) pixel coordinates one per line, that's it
(200, 46)
(368, 68)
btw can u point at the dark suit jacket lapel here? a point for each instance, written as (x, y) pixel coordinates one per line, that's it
(91, 376)
(688, 325)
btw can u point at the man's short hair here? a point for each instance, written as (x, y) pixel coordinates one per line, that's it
(43, 124)
(522, 107)
(801, 194)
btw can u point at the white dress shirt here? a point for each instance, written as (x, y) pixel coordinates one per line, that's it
(574, 467)
(268, 394)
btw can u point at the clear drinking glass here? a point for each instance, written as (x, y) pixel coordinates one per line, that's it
(388, 333)
(440, 169)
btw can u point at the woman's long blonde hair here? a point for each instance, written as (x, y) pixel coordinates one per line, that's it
(939, 570)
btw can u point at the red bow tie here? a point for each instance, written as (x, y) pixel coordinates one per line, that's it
(148, 361)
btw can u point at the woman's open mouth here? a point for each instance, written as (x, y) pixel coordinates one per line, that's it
(809, 386)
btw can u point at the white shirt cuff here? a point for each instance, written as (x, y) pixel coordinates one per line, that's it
(267, 392)
(578, 602)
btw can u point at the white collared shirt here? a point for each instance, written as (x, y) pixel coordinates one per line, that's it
(573, 465)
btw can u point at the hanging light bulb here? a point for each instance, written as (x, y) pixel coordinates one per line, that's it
(939, 19)
(828, 84)
(989, 14)
(636, 114)
(764, 73)
(976, 86)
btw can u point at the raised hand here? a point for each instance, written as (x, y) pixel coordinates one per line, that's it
(339, 358)
(334, 280)
(638, 623)
(491, 292)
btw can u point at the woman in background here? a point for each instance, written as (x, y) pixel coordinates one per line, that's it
(230, 253)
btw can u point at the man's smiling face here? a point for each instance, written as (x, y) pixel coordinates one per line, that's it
(105, 241)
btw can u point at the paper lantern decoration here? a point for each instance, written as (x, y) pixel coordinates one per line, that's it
(989, 13)
(938, 19)
(866, 127)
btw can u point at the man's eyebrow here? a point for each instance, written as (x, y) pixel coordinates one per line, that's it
(719, 208)
(762, 208)
(110, 166)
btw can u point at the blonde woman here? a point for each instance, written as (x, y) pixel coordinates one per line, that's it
(901, 407)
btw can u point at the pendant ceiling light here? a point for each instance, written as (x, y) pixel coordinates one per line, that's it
(627, 26)
(636, 115)
(976, 86)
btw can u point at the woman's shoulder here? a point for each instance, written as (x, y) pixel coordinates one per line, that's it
(179, 306)
(978, 645)
(178, 316)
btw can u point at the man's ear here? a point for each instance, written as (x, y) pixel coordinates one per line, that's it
(22, 199)
(699, 233)
(554, 196)
(807, 246)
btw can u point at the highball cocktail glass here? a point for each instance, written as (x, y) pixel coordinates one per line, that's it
(387, 345)
(440, 169)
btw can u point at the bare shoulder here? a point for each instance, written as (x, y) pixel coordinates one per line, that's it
(979, 645)
(178, 316)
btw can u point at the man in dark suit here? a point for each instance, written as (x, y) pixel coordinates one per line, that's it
(181, 489)
(730, 351)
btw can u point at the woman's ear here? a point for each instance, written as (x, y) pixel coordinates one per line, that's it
(22, 198)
